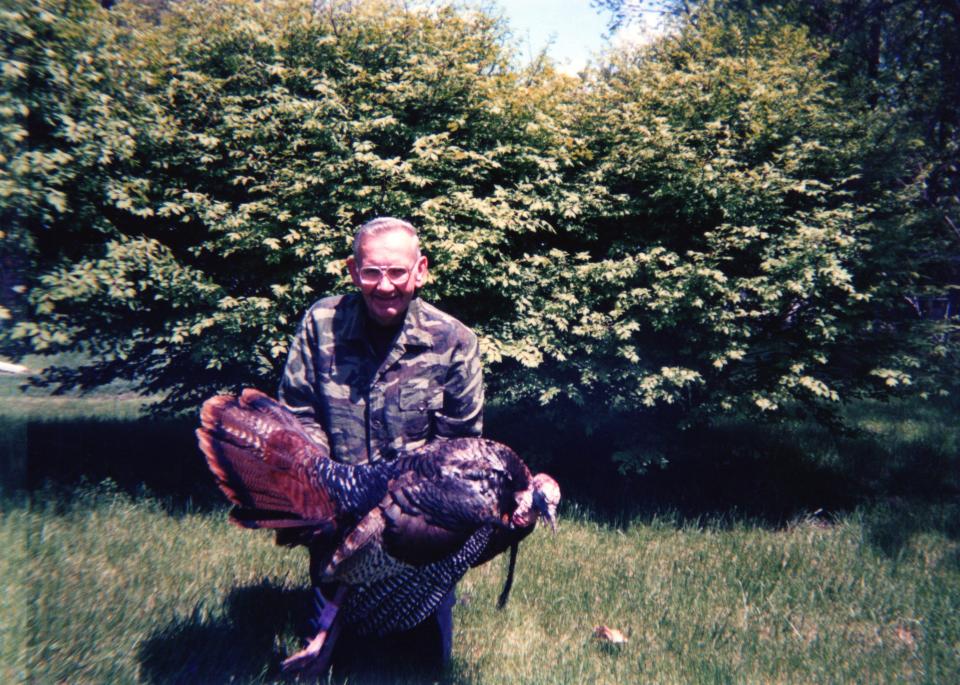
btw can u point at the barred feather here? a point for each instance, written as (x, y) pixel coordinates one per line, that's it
(402, 601)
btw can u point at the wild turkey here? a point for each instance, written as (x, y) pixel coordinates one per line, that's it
(401, 532)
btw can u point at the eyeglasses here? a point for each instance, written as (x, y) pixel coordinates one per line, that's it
(371, 275)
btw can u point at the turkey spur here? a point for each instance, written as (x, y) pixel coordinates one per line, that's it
(400, 532)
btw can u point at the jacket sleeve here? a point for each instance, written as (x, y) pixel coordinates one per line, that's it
(462, 413)
(297, 386)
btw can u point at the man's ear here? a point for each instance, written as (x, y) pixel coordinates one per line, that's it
(420, 271)
(354, 270)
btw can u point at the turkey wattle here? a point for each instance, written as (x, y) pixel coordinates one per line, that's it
(401, 532)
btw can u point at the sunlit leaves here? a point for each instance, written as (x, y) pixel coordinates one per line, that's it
(689, 228)
(730, 265)
(236, 145)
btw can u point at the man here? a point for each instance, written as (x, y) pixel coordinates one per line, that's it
(380, 370)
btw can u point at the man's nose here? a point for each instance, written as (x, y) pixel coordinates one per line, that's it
(385, 285)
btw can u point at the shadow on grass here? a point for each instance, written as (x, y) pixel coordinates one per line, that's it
(244, 644)
(890, 526)
(738, 471)
(724, 476)
(717, 475)
(158, 458)
(239, 646)
(725, 473)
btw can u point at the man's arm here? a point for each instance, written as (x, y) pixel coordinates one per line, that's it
(462, 413)
(297, 391)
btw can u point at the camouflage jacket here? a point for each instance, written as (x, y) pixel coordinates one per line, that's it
(430, 383)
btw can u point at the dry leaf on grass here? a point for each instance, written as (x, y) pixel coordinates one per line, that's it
(906, 637)
(608, 634)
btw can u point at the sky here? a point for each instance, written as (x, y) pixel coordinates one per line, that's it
(575, 28)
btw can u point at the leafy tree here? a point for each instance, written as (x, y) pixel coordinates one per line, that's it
(696, 228)
(903, 58)
(900, 59)
(736, 263)
(213, 161)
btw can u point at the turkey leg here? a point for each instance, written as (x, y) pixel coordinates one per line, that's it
(315, 657)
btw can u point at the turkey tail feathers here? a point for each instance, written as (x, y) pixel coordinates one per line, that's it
(263, 462)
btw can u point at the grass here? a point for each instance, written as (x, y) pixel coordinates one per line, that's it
(111, 588)
(804, 604)
(138, 578)
(123, 592)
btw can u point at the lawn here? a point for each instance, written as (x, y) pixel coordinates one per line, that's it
(119, 566)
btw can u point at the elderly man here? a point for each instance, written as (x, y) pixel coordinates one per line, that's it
(380, 370)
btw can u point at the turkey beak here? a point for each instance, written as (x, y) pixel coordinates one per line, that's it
(547, 510)
(552, 520)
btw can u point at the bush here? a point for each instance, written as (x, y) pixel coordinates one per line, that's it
(227, 154)
(687, 231)
(737, 262)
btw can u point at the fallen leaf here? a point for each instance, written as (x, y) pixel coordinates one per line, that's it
(608, 634)
(906, 637)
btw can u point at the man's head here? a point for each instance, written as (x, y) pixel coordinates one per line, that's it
(387, 267)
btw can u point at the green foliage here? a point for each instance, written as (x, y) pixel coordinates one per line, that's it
(230, 155)
(734, 262)
(691, 229)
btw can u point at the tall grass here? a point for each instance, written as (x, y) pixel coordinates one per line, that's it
(111, 588)
(140, 579)
(15, 597)
(121, 591)
(807, 603)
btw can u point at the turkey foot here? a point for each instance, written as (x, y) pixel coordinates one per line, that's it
(315, 657)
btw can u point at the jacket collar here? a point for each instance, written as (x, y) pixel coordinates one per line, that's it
(412, 333)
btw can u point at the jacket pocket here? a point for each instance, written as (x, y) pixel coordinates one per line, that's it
(419, 399)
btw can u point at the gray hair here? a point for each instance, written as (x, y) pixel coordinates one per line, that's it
(382, 224)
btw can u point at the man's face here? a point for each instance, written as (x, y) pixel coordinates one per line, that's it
(386, 300)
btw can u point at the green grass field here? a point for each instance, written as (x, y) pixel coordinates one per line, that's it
(139, 578)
